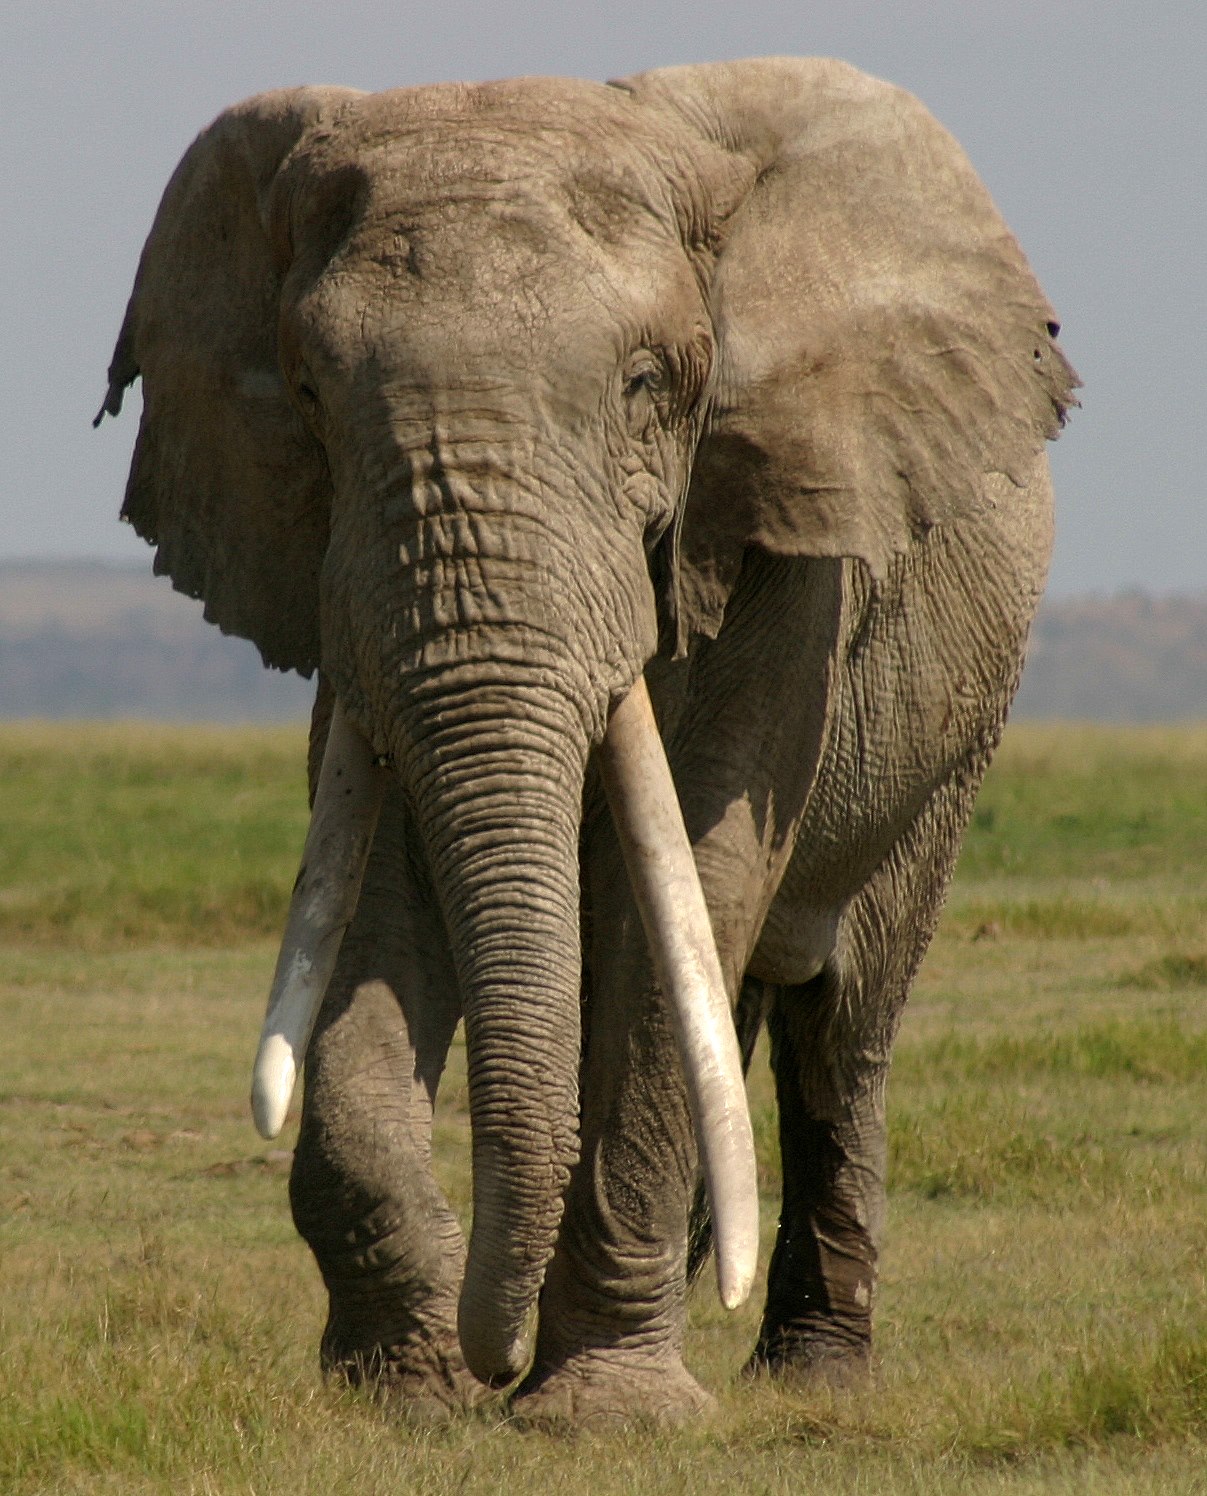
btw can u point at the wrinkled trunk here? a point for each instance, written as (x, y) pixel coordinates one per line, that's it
(495, 772)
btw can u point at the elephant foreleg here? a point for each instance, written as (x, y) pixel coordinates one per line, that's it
(743, 744)
(610, 1337)
(363, 1194)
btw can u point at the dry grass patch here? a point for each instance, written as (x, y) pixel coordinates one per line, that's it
(1042, 1323)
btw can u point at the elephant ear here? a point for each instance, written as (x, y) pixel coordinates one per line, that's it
(883, 345)
(226, 480)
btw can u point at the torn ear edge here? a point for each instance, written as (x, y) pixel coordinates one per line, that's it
(123, 371)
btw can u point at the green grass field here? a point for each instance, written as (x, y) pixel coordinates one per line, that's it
(1042, 1321)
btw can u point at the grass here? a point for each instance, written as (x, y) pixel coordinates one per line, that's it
(1042, 1322)
(118, 837)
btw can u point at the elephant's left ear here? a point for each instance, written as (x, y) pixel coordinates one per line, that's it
(226, 480)
(883, 345)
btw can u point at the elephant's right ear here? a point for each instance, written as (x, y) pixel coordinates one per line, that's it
(226, 480)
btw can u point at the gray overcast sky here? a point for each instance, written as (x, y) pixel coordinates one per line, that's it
(1087, 120)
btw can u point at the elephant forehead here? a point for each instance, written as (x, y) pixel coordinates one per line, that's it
(532, 158)
(506, 224)
(485, 264)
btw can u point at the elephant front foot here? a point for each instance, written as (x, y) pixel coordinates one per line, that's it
(418, 1370)
(599, 1388)
(837, 1356)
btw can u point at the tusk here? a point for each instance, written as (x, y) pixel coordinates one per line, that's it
(666, 885)
(346, 807)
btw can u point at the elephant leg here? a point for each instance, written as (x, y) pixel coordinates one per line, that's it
(743, 743)
(363, 1194)
(831, 1039)
(610, 1336)
(821, 1280)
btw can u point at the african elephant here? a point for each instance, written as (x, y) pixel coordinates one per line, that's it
(487, 403)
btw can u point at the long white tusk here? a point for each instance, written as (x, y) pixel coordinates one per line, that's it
(666, 885)
(346, 806)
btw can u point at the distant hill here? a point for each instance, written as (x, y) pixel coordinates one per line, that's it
(86, 640)
(83, 639)
(1128, 658)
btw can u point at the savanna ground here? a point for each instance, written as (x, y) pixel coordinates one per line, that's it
(1043, 1311)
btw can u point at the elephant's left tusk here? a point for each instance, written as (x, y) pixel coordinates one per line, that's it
(666, 886)
(346, 806)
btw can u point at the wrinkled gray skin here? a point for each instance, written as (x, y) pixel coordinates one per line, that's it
(483, 400)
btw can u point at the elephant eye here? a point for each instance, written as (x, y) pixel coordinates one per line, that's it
(645, 373)
(308, 397)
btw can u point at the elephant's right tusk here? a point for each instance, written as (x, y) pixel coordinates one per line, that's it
(346, 806)
(667, 888)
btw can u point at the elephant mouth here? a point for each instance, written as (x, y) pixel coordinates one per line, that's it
(667, 891)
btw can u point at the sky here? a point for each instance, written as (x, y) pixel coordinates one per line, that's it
(1087, 119)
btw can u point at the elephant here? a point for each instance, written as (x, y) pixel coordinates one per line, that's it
(517, 412)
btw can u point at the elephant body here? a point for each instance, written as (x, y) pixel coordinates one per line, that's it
(753, 408)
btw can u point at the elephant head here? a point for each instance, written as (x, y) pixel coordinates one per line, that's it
(473, 397)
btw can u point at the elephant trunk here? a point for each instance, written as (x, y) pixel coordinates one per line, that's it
(495, 773)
